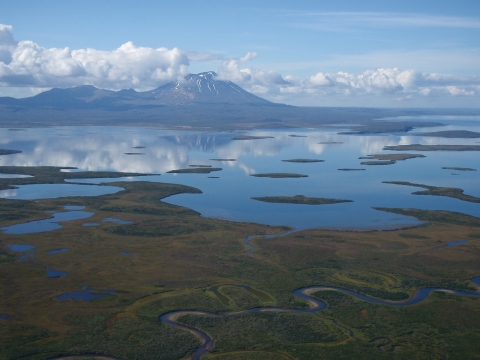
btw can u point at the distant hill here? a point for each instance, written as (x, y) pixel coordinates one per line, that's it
(196, 88)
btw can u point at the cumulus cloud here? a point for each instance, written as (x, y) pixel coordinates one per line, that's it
(29, 65)
(26, 63)
(402, 84)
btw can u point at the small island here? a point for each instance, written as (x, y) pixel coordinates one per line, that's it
(198, 170)
(223, 159)
(201, 166)
(280, 175)
(293, 135)
(138, 147)
(9, 152)
(418, 147)
(299, 199)
(387, 159)
(350, 169)
(438, 191)
(250, 137)
(458, 168)
(378, 162)
(392, 157)
(303, 160)
(452, 134)
(132, 153)
(330, 142)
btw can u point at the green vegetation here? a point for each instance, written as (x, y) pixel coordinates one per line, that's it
(458, 168)
(176, 257)
(299, 199)
(197, 170)
(52, 175)
(280, 175)
(303, 160)
(9, 152)
(250, 137)
(418, 147)
(452, 134)
(438, 191)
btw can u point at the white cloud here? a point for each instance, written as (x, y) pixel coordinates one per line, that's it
(340, 21)
(26, 63)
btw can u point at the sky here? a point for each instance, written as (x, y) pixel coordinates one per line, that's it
(312, 53)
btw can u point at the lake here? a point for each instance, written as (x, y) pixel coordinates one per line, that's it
(92, 148)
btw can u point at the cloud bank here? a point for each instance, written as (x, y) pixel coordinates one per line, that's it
(27, 64)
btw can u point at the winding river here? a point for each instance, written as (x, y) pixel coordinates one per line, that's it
(207, 343)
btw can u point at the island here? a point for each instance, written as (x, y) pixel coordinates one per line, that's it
(280, 175)
(458, 168)
(9, 152)
(303, 160)
(387, 159)
(223, 159)
(293, 135)
(250, 137)
(418, 147)
(330, 142)
(350, 169)
(379, 162)
(299, 199)
(201, 166)
(438, 191)
(452, 134)
(197, 170)
(132, 153)
(138, 147)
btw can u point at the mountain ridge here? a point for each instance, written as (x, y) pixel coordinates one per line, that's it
(195, 89)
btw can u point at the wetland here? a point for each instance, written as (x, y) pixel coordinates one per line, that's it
(185, 267)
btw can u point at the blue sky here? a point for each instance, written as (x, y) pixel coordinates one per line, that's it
(321, 53)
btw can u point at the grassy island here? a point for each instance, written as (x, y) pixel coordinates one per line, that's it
(53, 175)
(458, 168)
(303, 160)
(378, 162)
(452, 134)
(392, 157)
(250, 137)
(197, 170)
(418, 147)
(223, 159)
(350, 169)
(280, 175)
(9, 152)
(299, 199)
(388, 159)
(438, 191)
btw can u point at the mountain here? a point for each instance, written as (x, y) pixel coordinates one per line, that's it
(196, 88)
(203, 88)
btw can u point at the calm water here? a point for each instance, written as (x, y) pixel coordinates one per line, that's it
(228, 197)
(46, 224)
